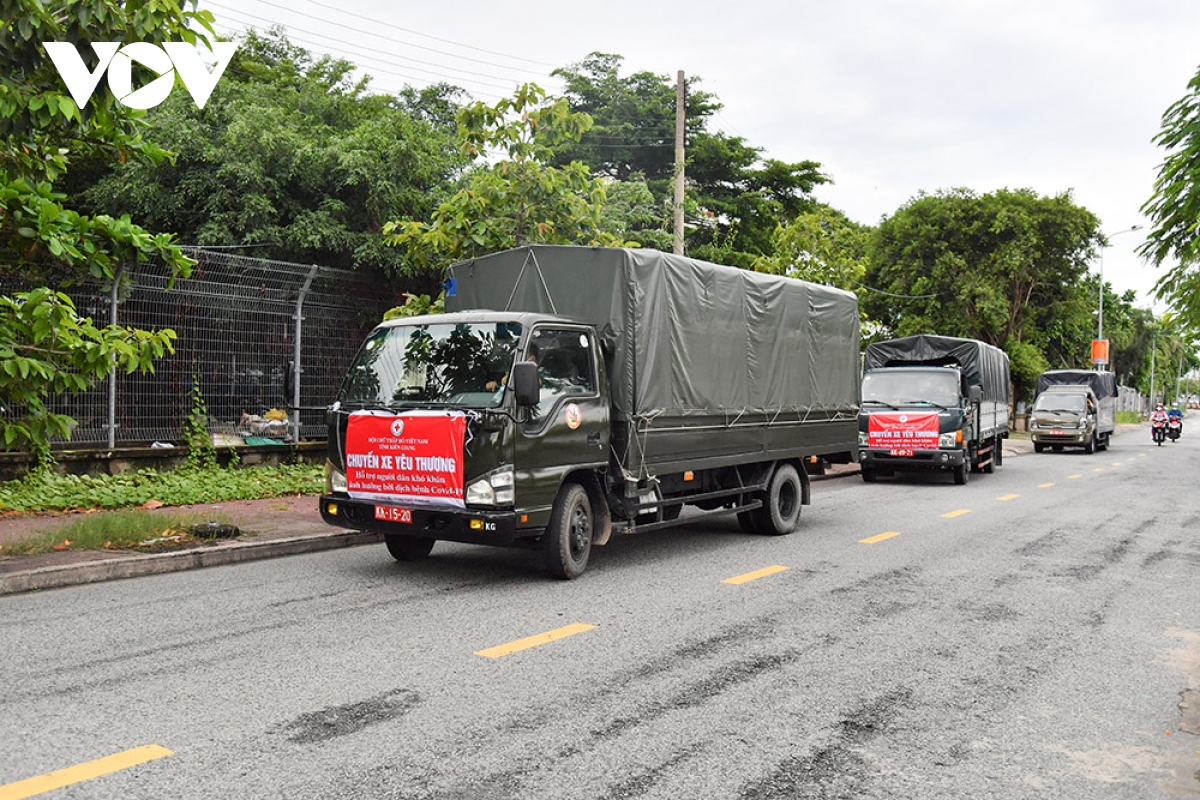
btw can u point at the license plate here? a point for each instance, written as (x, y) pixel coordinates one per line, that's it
(905, 453)
(393, 514)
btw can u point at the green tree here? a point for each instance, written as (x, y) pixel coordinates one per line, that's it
(517, 197)
(42, 133)
(736, 197)
(1007, 268)
(293, 156)
(1174, 208)
(822, 246)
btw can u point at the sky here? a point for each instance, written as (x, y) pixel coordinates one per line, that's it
(892, 97)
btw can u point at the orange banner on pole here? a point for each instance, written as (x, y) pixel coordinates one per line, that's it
(1099, 351)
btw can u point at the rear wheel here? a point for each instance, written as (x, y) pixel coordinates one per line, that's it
(999, 452)
(567, 542)
(781, 505)
(408, 548)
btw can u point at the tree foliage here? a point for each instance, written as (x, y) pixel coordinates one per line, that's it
(736, 197)
(1006, 268)
(822, 246)
(515, 197)
(1174, 208)
(294, 156)
(46, 348)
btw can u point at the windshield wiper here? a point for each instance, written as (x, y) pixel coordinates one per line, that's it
(926, 403)
(880, 403)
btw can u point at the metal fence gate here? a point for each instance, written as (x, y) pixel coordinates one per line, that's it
(254, 335)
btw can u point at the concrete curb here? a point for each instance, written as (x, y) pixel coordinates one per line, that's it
(160, 563)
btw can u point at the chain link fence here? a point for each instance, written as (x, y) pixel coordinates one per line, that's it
(266, 342)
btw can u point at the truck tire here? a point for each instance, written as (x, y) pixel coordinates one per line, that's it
(567, 542)
(962, 473)
(408, 548)
(1090, 447)
(1037, 448)
(869, 475)
(781, 503)
(999, 452)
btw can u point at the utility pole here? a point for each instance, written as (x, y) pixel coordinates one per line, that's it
(679, 120)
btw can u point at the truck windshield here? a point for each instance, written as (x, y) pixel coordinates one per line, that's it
(1068, 403)
(903, 387)
(463, 365)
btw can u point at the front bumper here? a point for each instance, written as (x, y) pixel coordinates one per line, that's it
(452, 525)
(920, 459)
(1076, 437)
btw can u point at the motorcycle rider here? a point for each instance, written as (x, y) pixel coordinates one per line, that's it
(1175, 415)
(1158, 422)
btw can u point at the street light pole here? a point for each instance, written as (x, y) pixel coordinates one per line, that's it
(1100, 315)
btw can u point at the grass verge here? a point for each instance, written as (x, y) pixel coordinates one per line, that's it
(114, 530)
(190, 486)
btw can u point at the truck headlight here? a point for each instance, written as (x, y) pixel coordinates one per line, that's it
(494, 489)
(862, 439)
(951, 439)
(335, 479)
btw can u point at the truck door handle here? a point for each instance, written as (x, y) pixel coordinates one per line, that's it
(594, 438)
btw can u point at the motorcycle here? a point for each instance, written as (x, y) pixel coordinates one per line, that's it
(1174, 428)
(1158, 429)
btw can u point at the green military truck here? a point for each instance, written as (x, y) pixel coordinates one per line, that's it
(933, 403)
(575, 392)
(1073, 408)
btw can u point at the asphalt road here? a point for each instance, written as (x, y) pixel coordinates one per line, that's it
(1035, 633)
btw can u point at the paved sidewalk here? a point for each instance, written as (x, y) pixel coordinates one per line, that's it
(270, 528)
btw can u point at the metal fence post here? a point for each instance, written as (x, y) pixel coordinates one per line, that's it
(113, 317)
(296, 370)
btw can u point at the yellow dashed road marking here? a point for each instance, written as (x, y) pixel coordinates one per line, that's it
(534, 641)
(1045, 485)
(1073, 477)
(958, 513)
(82, 772)
(1008, 497)
(879, 538)
(753, 576)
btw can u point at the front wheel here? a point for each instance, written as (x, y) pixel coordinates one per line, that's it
(1090, 446)
(408, 548)
(567, 542)
(962, 473)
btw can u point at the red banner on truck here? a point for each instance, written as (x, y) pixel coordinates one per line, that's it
(414, 458)
(901, 434)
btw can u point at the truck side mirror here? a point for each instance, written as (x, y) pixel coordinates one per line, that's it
(525, 383)
(975, 394)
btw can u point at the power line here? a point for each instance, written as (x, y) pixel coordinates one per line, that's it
(240, 16)
(430, 36)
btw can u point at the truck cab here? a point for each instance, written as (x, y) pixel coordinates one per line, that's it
(1065, 416)
(916, 418)
(450, 382)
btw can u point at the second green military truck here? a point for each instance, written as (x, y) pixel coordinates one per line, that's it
(576, 392)
(933, 403)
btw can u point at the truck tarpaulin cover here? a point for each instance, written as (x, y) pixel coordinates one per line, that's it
(414, 458)
(982, 364)
(689, 338)
(1103, 384)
